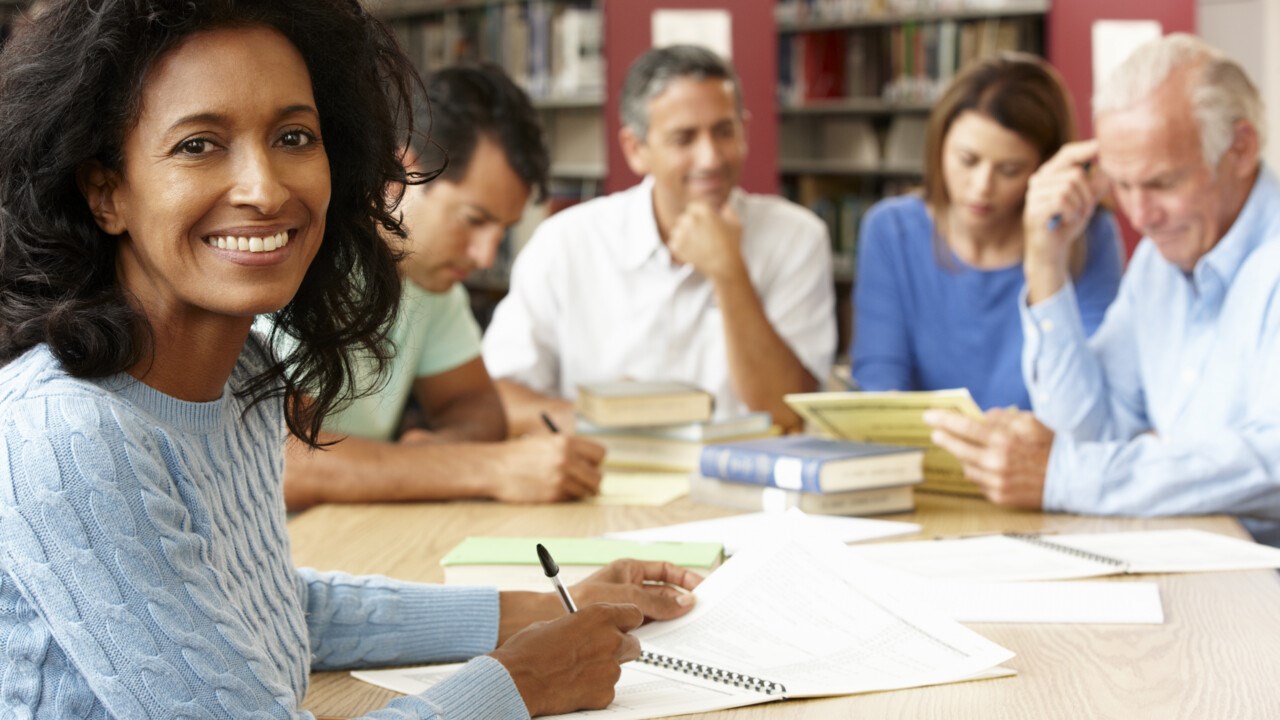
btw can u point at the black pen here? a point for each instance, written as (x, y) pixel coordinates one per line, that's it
(552, 571)
(546, 420)
(1055, 222)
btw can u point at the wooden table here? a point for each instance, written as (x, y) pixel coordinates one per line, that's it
(1216, 656)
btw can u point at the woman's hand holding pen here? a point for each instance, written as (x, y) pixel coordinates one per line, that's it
(1061, 197)
(573, 662)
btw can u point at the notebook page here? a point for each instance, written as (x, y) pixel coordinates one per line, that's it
(798, 612)
(992, 558)
(642, 692)
(1164, 551)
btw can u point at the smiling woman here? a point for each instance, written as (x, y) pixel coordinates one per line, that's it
(220, 141)
(168, 171)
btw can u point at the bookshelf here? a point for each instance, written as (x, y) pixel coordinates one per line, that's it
(856, 82)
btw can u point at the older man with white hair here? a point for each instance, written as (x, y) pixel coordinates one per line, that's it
(1172, 407)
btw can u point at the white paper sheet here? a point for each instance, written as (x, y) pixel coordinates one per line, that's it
(997, 558)
(794, 612)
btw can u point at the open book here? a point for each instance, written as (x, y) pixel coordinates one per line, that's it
(792, 618)
(1014, 557)
(892, 418)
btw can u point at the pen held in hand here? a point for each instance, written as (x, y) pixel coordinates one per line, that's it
(1055, 222)
(552, 570)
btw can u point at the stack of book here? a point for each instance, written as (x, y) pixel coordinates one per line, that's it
(672, 447)
(816, 475)
(658, 425)
(633, 403)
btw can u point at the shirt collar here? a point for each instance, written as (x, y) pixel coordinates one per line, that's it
(1226, 258)
(642, 242)
(641, 238)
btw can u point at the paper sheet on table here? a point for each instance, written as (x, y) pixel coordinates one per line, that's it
(801, 618)
(999, 558)
(1079, 602)
(737, 531)
(626, 487)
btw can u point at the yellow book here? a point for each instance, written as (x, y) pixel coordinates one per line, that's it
(893, 418)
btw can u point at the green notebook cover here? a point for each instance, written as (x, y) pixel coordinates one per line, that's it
(580, 551)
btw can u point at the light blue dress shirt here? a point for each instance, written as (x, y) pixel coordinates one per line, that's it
(1173, 406)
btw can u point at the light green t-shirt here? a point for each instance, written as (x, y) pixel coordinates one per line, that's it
(434, 333)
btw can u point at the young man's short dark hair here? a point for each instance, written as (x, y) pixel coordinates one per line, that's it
(466, 101)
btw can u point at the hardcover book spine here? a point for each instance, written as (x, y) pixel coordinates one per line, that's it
(754, 467)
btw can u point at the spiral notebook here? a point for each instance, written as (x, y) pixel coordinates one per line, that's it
(1026, 557)
(792, 618)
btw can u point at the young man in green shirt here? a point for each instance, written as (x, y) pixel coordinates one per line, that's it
(496, 155)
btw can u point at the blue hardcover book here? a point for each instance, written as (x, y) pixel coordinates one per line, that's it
(810, 464)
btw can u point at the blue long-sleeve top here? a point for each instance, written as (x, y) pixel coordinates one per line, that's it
(145, 568)
(925, 320)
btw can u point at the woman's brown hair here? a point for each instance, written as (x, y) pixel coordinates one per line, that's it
(1019, 91)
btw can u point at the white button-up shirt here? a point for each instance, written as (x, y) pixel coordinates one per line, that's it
(595, 297)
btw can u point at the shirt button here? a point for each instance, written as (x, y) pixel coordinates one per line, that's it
(1046, 326)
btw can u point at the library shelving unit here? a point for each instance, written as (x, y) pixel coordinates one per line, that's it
(856, 81)
(551, 48)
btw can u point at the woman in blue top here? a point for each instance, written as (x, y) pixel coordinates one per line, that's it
(940, 276)
(168, 170)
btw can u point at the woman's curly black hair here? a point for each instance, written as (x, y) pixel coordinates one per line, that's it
(70, 87)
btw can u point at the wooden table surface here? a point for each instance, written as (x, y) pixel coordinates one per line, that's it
(1217, 655)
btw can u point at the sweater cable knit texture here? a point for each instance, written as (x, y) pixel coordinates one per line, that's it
(145, 571)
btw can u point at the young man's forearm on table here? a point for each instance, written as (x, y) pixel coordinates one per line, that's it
(360, 470)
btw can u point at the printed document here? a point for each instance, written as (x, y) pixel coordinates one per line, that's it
(797, 618)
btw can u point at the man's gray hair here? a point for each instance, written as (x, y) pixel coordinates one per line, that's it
(1219, 90)
(653, 72)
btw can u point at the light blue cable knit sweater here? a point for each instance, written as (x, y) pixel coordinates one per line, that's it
(145, 572)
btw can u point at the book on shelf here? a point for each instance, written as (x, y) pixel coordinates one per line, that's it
(811, 464)
(762, 498)
(1014, 557)
(642, 403)
(853, 140)
(787, 619)
(904, 143)
(895, 418)
(577, 61)
(510, 563)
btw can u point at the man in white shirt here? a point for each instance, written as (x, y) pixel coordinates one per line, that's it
(683, 277)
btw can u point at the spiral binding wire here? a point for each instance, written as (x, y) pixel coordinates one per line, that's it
(1036, 539)
(720, 675)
